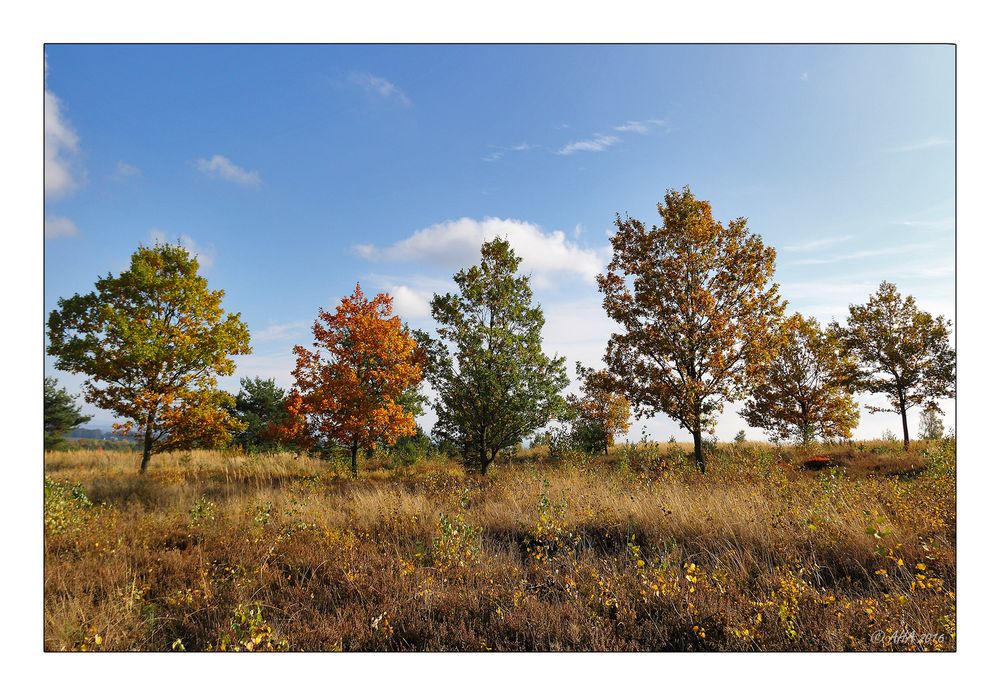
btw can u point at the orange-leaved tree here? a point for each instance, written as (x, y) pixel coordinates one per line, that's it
(151, 342)
(352, 391)
(697, 309)
(601, 409)
(806, 392)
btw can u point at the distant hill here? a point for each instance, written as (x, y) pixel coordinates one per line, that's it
(97, 434)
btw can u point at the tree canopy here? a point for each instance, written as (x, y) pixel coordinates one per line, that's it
(494, 384)
(357, 388)
(600, 413)
(260, 408)
(805, 393)
(152, 342)
(901, 352)
(697, 310)
(60, 414)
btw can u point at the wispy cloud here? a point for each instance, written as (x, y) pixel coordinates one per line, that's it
(60, 227)
(280, 332)
(62, 145)
(380, 87)
(925, 144)
(862, 254)
(124, 170)
(641, 127)
(224, 168)
(206, 257)
(500, 150)
(804, 77)
(598, 143)
(456, 243)
(817, 243)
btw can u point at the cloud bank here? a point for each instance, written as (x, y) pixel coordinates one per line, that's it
(456, 243)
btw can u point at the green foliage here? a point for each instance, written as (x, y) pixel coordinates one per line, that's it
(249, 631)
(410, 449)
(61, 414)
(740, 438)
(151, 342)
(66, 506)
(456, 543)
(260, 408)
(931, 425)
(494, 385)
(901, 352)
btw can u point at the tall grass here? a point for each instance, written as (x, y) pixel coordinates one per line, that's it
(633, 551)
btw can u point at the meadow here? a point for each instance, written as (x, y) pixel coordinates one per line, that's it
(631, 551)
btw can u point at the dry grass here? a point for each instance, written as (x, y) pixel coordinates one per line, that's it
(633, 551)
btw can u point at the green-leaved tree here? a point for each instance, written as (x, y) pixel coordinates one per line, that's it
(260, 408)
(61, 414)
(494, 385)
(151, 342)
(901, 352)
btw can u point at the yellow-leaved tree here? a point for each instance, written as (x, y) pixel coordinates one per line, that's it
(697, 309)
(602, 413)
(805, 393)
(152, 342)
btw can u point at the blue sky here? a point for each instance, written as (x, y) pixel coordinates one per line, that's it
(296, 171)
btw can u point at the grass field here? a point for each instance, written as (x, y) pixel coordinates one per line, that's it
(632, 551)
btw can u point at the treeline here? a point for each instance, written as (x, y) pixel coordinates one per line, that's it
(701, 323)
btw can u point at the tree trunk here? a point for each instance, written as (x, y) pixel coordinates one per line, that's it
(906, 430)
(354, 458)
(483, 461)
(698, 454)
(147, 446)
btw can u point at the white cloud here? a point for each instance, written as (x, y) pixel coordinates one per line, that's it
(206, 257)
(817, 243)
(863, 254)
(410, 304)
(279, 332)
(924, 144)
(124, 170)
(223, 168)
(457, 243)
(641, 127)
(500, 150)
(59, 227)
(380, 87)
(598, 143)
(61, 148)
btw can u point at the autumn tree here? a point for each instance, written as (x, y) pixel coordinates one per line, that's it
(805, 392)
(697, 311)
(260, 408)
(931, 425)
(901, 352)
(598, 409)
(356, 387)
(494, 385)
(60, 413)
(152, 342)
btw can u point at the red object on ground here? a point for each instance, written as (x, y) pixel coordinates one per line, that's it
(817, 462)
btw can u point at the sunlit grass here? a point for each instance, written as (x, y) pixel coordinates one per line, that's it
(633, 551)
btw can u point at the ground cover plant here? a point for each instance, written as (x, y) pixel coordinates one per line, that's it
(552, 550)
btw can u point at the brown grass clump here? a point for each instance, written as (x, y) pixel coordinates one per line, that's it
(633, 551)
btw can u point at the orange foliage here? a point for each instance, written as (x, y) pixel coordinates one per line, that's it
(351, 397)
